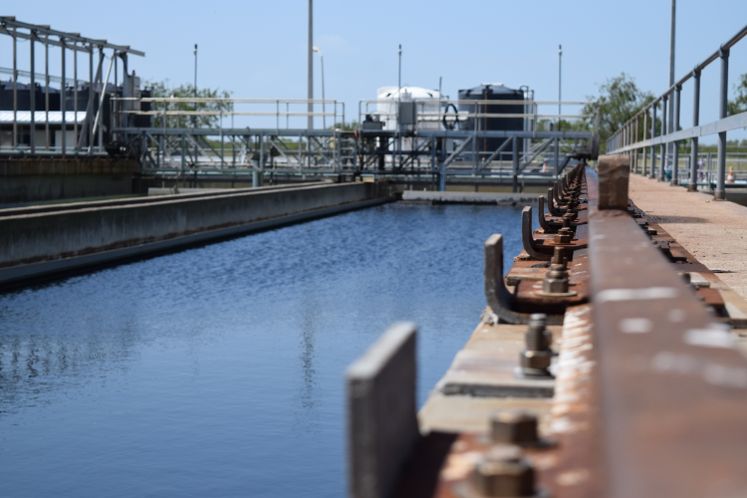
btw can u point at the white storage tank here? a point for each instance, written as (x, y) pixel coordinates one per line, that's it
(427, 105)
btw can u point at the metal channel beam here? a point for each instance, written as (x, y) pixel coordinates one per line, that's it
(672, 385)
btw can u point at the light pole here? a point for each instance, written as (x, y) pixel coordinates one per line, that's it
(670, 118)
(310, 69)
(194, 119)
(560, 83)
(324, 104)
(399, 104)
(560, 107)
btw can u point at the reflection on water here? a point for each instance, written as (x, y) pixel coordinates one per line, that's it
(218, 371)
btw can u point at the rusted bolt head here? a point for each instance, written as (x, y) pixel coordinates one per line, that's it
(514, 427)
(556, 280)
(502, 472)
(535, 363)
(564, 236)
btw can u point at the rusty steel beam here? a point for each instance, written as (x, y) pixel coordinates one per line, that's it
(672, 385)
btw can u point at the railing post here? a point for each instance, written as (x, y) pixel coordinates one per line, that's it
(32, 93)
(664, 159)
(635, 140)
(676, 144)
(720, 192)
(63, 99)
(645, 154)
(653, 147)
(693, 185)
(515, 164)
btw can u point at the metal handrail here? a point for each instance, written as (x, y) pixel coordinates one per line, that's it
(632, 137)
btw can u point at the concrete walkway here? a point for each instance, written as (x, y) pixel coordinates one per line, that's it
(715, 232)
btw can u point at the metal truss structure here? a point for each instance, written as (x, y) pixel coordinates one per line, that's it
(39, 118)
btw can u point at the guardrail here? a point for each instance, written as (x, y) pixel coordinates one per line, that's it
(650, 128)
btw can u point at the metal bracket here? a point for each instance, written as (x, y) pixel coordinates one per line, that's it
(547, 226)
(551, 203)
(526, 236)
(499, 299)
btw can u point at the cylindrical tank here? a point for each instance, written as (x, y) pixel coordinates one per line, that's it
(497, 94)
(427, 104)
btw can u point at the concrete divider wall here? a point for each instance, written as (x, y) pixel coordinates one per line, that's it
(33, 238)
(41, 179)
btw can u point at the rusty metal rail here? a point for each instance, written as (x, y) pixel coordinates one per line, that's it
(649, 390)
(673, 390)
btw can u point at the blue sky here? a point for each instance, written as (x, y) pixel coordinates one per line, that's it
(257, 48)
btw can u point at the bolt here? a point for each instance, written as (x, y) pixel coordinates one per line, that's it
(564, 236)
(535, 359)
(556, 279)
(502, 472)
(568, 219)
(514, 427)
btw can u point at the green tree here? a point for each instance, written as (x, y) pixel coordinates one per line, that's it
(564, 125)
(195, 114)
(739, 104)
(618, 100)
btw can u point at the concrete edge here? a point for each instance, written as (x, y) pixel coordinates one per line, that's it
(448, 197)
(17, 276)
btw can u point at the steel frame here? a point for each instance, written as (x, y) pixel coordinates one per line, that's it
(89, 134)
(415, 153)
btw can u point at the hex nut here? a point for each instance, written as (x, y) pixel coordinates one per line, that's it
(556, 280)
(504, 475)
(535, 363)
(514, 427)
(564, 236)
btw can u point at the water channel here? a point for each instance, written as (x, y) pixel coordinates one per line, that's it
(218, 371)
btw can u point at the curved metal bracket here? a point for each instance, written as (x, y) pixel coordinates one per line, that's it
(499, 299)
(526, 236)
(551, 204)
(547, 226)
(559, 194)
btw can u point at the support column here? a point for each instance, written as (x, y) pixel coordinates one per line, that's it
(15, 88)
(664, 158)
(676, 145)
(32, 94)
(693, 185)
(645, 153)
(720, 193)
(653, 147)
(63, 99)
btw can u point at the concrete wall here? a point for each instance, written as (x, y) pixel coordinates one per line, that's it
(42, 179)
(36, 244)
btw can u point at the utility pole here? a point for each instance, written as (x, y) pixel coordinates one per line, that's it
(560, 83)
(671, 43)
(310, 64)
(399, 102)
(194, 119)
(670, 118)
(560, 108)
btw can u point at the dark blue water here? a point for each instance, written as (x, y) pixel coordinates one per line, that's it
(218, 371)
